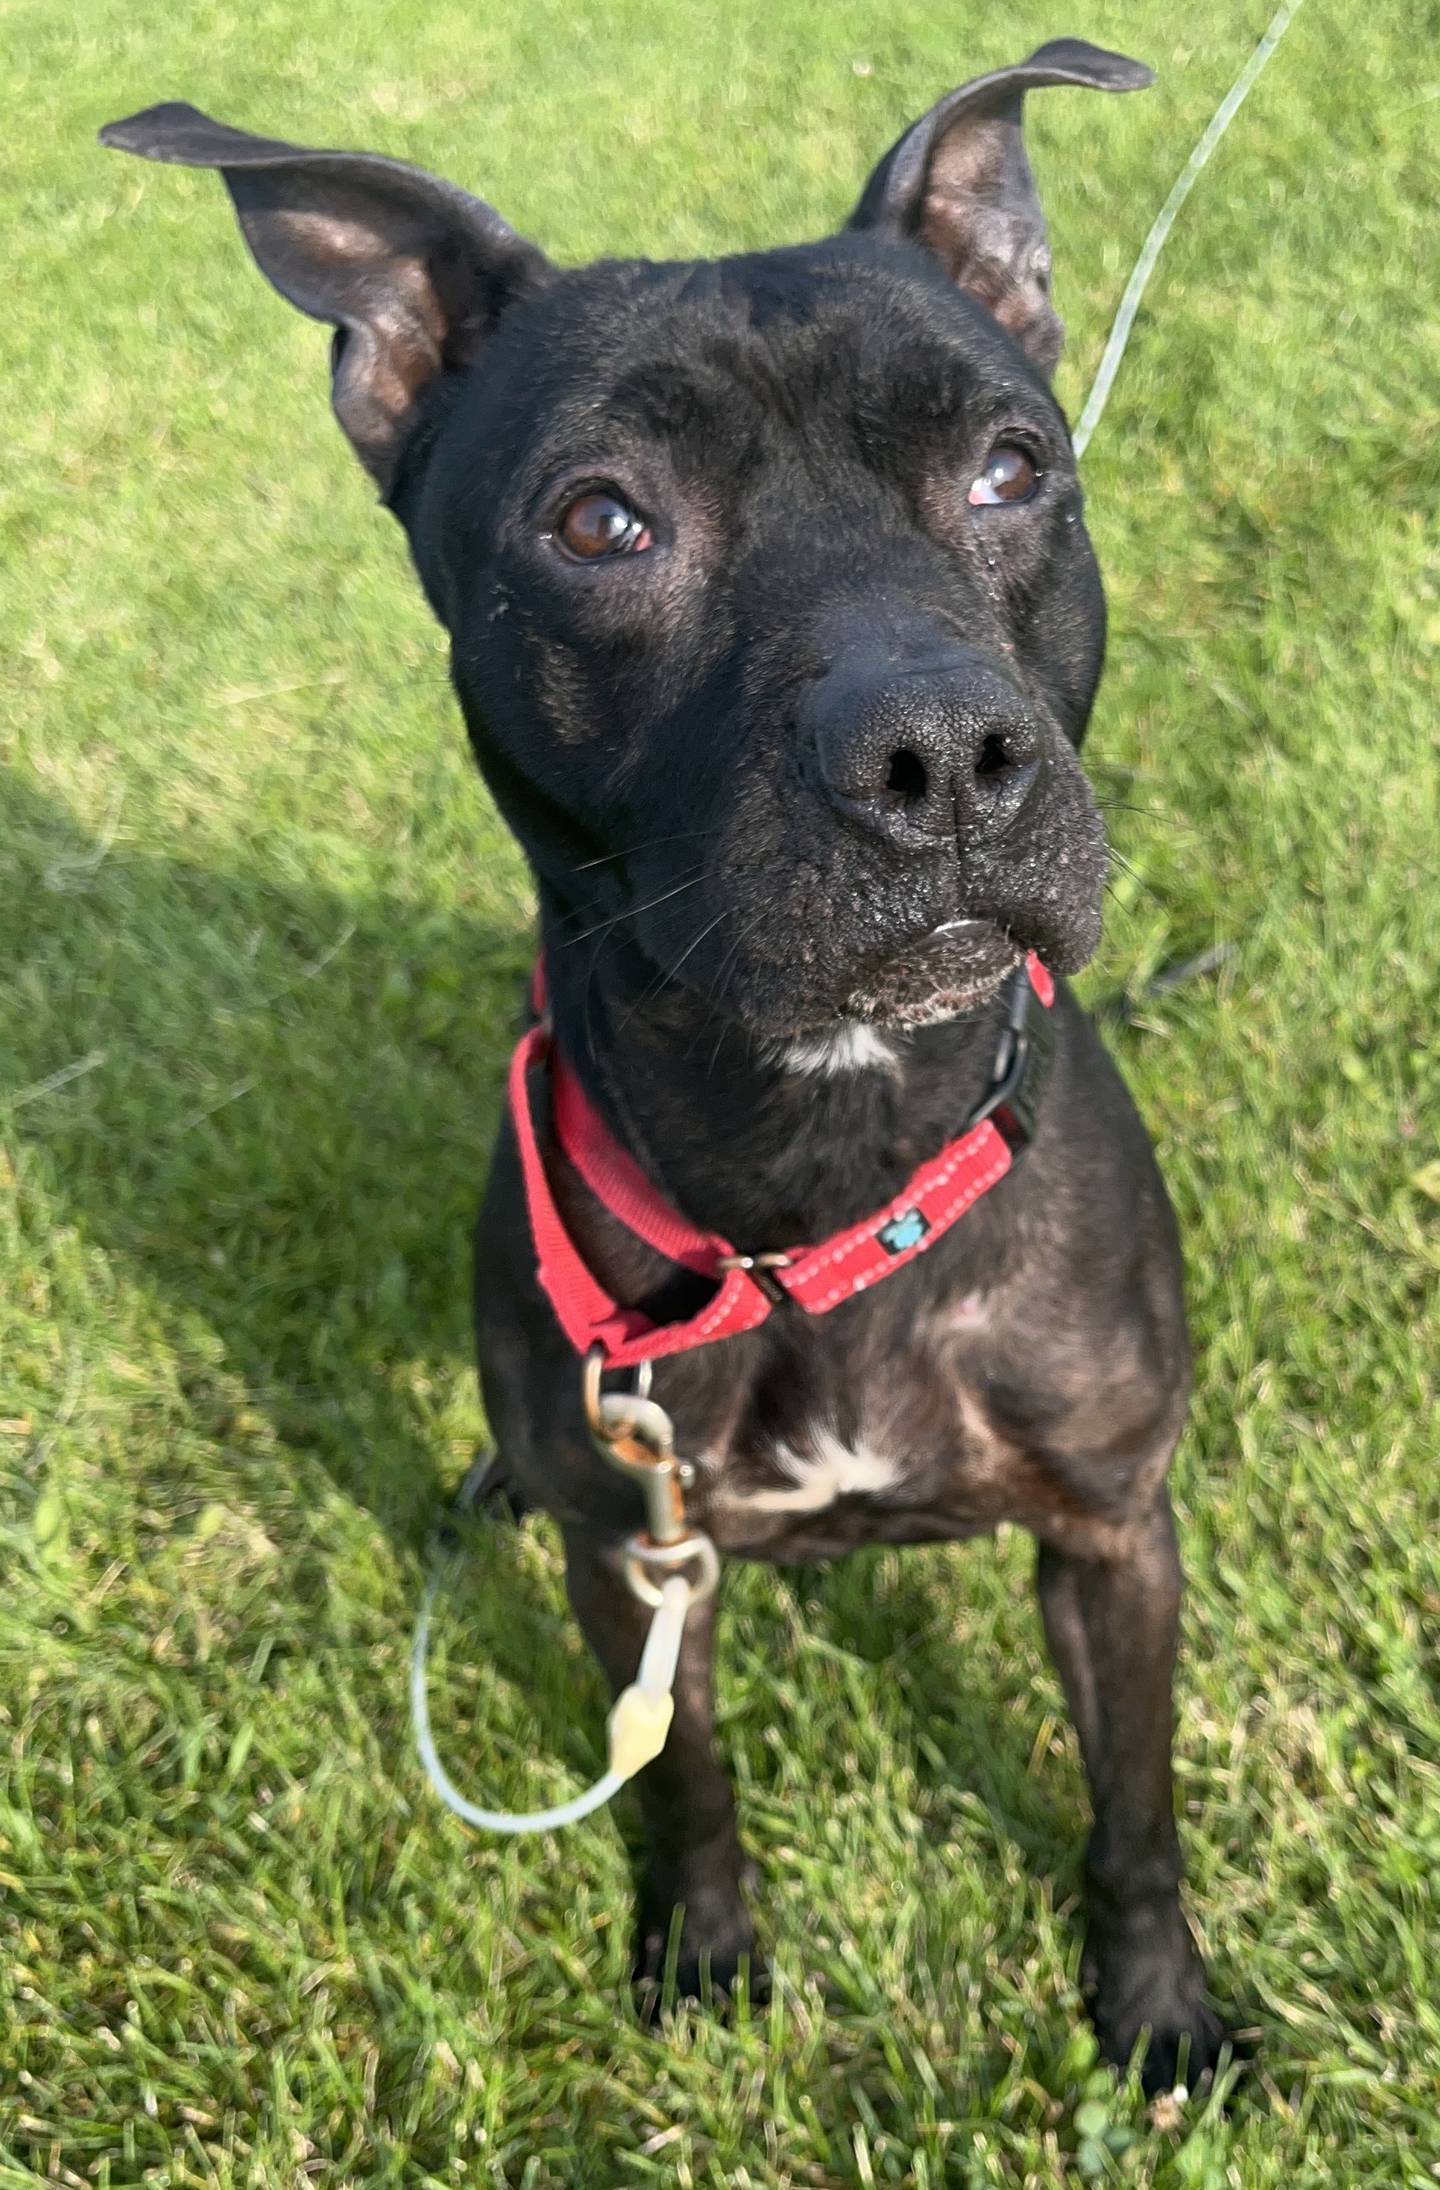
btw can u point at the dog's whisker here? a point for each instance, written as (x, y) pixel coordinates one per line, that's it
(694, 944)
(631, 912)
(633, 851)
(668, 973)
(716, 992)
(1174, 824)
(1128, 866)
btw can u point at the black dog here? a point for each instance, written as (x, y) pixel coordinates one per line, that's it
(776, 629)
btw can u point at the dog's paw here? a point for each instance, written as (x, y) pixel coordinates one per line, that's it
(487, 1488)
(1158, 1992)
(707, 1941)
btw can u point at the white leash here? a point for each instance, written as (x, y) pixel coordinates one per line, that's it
(668, 1566)
(1154, 243)
(640, 1719)
(638, 1723)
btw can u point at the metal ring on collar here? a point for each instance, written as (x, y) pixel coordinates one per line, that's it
(647, 1564)
(592, 1390)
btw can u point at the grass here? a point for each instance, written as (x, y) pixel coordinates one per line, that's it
(262, 938)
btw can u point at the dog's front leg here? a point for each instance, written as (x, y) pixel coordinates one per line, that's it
(1112, 1624)
(693, 1864)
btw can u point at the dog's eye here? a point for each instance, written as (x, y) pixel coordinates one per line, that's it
(1009, 476)
(601, 523)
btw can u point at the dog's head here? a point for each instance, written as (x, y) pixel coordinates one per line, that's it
(774, 619)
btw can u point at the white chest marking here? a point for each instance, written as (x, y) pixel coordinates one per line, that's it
(853, 1047)
(826, 1471)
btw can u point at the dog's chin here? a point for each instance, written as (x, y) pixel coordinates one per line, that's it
(943, 975)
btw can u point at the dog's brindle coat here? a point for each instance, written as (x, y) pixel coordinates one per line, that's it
(776, 629)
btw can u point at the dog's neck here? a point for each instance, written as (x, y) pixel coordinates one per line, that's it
(769, 1144)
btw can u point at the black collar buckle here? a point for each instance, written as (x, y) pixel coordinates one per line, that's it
(1021, 1069)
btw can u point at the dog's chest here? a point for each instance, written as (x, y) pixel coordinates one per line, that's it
(812, 1473)
(906, 1455)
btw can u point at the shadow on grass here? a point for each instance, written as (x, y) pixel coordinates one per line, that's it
(270, 1106)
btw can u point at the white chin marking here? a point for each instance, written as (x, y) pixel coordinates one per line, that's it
(853, 1047)
(826, 1471)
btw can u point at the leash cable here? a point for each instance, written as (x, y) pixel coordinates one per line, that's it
(640, 1718)
(638, 1723)
(1165, 219)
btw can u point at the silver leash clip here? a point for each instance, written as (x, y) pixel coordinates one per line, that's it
(634, 1434)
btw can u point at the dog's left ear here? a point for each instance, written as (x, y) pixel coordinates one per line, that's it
(959, 183)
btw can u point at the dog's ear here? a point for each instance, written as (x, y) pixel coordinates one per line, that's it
(411, 272)
(959, 183)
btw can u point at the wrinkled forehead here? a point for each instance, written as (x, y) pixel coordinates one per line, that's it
(724, 361)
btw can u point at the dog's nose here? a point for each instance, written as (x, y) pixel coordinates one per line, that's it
(919, 754)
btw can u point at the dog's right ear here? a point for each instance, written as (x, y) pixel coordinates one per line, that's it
(411, 272)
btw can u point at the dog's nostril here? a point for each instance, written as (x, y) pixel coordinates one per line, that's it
(993, 757)
(907, 777)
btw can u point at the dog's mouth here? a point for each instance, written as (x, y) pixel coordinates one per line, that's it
(952, 970)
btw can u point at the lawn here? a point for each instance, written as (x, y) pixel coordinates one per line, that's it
(262, 938)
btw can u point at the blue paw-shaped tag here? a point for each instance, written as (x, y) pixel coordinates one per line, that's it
(903, 1231)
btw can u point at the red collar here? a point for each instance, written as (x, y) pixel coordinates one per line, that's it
(749, 1288)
